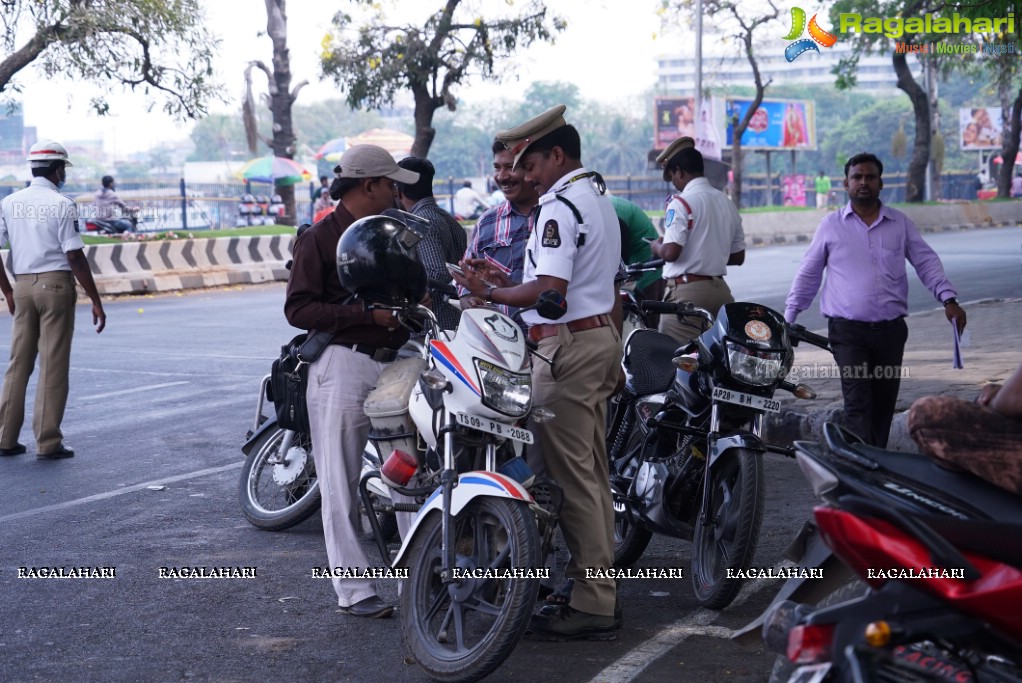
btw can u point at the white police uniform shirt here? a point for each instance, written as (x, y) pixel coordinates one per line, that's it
(587, 255)
(709, 230)
(41, 226)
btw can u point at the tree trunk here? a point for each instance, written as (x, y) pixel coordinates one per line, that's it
(425, 106)
(1010, 143)
(281, 100)
(936, 187)
(916, 181)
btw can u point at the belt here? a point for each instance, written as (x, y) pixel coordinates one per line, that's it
(691, 277)
(544, 330)
(377, 353)
(871, 324)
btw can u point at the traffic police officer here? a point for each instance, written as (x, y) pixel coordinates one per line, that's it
(702, 236)
(47, 254)
(575, 248)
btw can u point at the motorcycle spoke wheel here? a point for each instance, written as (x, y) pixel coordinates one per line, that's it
(463, 630)
(727, 538)
(271, 505)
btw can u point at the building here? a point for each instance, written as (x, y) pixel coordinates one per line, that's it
(676, 72)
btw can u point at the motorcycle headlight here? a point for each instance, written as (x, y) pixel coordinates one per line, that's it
(506, 392)
(758, 368)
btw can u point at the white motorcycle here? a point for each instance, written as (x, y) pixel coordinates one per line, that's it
(448, 427)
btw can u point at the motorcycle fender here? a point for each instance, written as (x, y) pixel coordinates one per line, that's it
(470, 485)
(269, 425)
(746, 440)
(815, 554)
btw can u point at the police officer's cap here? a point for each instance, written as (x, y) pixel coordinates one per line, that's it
(518, 139)
(681, 143)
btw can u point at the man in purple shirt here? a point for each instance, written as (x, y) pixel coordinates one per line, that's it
(863, 247)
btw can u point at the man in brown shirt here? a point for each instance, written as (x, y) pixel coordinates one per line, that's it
(347, 371)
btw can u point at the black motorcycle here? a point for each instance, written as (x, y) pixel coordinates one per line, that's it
(685, 438)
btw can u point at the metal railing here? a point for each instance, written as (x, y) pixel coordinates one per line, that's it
(213, 206)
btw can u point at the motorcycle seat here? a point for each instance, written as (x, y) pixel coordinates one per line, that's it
(648, 356)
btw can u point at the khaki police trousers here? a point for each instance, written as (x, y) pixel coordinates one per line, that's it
(44, 322)
(574, 449)
(708, 294)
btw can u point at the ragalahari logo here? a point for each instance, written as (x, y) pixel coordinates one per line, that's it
(818, 35)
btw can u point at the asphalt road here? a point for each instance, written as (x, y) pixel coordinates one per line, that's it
(981, 264)
(160, 403)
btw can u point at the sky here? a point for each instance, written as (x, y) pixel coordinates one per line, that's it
(608, 50)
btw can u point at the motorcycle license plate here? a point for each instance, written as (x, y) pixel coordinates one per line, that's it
(485, 424)
(810, 674)
(747, 400)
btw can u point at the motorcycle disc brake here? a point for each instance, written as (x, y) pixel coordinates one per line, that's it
(285, 473)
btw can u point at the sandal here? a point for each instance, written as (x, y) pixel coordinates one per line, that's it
(561, 596)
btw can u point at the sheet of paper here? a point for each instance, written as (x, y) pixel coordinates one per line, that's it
(956, 360)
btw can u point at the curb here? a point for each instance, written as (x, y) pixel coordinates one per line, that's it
(802, 237)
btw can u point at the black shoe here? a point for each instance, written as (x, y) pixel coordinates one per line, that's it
(16, 449)
(566, 623)
(372, 607)
(59, 454)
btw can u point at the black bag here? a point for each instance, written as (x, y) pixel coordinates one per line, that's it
(289, 377)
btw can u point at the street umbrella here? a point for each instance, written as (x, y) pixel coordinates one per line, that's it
(278, 170)
(1018, 159)
(332, 149)
(397, 143)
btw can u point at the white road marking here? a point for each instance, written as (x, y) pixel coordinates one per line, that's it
(628, 667)
(133, 391)
(119, 492)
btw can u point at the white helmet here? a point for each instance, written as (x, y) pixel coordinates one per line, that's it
(47, 151)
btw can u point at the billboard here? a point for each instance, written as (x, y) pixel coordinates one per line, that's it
(776, 124)
(979, 128)
(675, 117)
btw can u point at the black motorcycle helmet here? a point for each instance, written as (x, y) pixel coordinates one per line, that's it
(376, 260)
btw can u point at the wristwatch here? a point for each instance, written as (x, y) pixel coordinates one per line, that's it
(952, 300)
(488, 294)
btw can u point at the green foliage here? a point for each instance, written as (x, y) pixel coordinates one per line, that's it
(461, 150)
(219, 136)
(429, 60)
(383, 58)
(158, 48)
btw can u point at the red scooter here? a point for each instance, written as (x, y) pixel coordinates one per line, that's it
(939, 564)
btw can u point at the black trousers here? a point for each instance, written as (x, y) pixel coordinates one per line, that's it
(869, 356)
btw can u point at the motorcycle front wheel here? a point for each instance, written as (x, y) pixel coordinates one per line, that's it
(276, 496)
(630, 537)
(727, 538)
(462, 631)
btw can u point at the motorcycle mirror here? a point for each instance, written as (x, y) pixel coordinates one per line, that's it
(551, 304)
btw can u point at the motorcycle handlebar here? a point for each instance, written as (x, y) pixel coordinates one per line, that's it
(644, 267)
(800, 333)
(444, 288)
(686, 308)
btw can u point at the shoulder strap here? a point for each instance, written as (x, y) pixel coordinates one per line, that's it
(312, 348)
(688, 208)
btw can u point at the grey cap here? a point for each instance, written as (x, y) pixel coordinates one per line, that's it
(370, 161)
(518, 139)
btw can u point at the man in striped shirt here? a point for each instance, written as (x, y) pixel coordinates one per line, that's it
(443, 244)
(501, 233)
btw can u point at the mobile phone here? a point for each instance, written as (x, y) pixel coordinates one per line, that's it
(455, 270)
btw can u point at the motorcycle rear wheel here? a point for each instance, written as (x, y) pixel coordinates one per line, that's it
(464, 630)
(854, 588)
(727, 540)
(271, 506)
